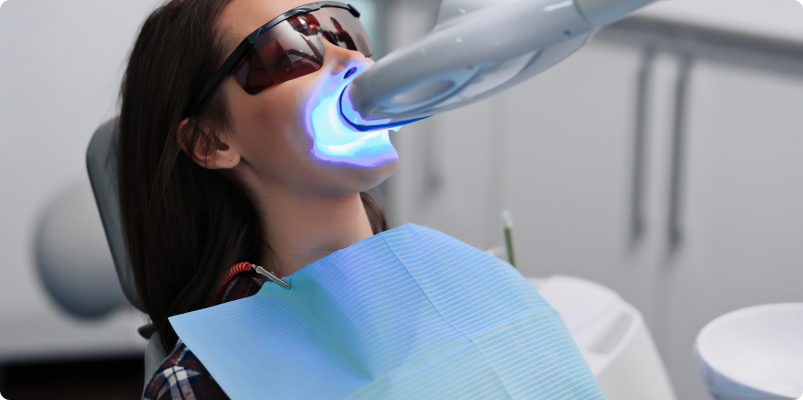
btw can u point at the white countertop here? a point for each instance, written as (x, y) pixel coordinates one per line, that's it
(44, 334)
(782, 19)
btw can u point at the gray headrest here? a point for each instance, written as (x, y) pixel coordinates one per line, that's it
(101, 163)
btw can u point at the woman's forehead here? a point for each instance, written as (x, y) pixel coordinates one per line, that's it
(241, 17)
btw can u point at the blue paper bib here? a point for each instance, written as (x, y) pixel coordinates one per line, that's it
(410, 313)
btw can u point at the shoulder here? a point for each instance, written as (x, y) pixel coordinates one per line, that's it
(182, 376)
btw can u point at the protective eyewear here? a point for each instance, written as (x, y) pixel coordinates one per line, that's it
(289, 47)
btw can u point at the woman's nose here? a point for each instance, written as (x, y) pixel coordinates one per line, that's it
(344, 63)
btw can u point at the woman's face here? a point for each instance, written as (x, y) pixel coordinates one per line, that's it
(290, 134)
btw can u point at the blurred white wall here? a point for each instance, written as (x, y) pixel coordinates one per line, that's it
(778, 18)
(61, 63)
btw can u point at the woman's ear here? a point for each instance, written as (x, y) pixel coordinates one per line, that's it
(210, 151)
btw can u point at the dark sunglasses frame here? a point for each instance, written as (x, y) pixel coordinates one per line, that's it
(248, 43)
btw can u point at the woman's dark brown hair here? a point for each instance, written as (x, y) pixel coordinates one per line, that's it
(185, 225)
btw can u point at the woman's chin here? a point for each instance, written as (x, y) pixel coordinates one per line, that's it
(358, 166)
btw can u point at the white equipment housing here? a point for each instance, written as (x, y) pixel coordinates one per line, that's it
(477, 49)
(612, 337)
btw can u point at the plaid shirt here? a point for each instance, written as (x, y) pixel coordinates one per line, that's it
(181, 375)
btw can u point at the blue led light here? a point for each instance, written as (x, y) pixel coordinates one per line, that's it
(337, 142)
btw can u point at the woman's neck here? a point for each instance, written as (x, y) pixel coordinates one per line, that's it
(302, 230)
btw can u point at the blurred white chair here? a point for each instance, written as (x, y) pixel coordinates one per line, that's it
(101, 163)
(612, 337)
(610, 333)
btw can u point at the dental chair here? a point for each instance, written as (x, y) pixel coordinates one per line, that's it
(485, 47)
(610, 333)
(101, 163)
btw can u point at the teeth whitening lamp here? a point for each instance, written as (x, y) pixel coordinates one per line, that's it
(477, 49)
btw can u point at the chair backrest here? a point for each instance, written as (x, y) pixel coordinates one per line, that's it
(101, 163)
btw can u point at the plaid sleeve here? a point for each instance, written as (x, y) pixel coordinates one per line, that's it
(243, 285)
(181, 376)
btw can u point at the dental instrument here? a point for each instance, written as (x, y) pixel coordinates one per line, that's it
(507, 222)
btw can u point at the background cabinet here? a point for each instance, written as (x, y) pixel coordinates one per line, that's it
(742, 222)
(663, 161)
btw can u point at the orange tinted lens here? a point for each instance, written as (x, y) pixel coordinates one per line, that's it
(289, 50)
(294, 47)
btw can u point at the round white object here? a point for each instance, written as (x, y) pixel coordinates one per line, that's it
(73, 257)
(754, 353)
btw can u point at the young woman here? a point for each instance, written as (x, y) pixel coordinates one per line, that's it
(234, 163)
(216, 174)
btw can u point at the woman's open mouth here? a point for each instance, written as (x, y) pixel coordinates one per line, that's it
(329, 127)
